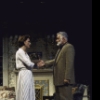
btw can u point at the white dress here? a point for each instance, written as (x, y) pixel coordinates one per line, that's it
(25, 82)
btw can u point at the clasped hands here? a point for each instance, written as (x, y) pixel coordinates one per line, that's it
(40, 63)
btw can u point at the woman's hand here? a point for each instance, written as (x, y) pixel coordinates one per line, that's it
(41, 63)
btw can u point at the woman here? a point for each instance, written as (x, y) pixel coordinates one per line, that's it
(25, 83)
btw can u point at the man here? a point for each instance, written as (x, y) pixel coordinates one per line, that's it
(63, 67)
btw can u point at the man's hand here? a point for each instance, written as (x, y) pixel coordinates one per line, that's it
(41, 63)
(66, 81)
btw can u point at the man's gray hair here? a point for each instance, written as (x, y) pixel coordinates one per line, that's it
(64, 34)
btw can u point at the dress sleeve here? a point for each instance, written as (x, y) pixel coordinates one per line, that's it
(25, 60)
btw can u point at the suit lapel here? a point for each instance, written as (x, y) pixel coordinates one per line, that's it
(58, 56)
(60, 53)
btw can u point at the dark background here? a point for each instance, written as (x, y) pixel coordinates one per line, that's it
(43, 17)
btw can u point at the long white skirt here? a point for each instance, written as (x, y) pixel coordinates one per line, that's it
(25, 86)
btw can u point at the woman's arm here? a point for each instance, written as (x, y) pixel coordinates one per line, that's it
(23, 57)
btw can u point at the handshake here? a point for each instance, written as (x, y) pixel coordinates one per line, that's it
(40, 63)
(36, 59)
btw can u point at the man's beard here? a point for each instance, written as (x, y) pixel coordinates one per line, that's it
(59, 43)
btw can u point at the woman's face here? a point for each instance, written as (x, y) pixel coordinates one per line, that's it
(27, 43)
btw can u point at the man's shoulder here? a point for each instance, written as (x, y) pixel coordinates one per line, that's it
(69, 45)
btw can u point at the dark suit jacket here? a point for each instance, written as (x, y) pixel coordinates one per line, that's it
(63, 65)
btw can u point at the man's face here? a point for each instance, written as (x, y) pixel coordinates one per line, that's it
(59, 40)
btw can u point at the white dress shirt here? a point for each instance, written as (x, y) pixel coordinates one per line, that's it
(23, 60)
